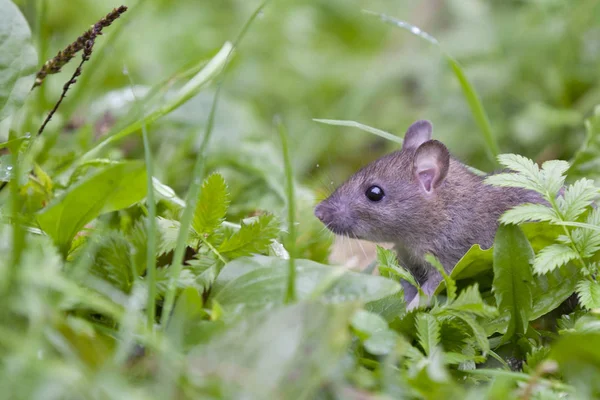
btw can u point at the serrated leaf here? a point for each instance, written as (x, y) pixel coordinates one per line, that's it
(576, 198)
(527, 213)
(589, 293)
(251, 238)
(448, 281)
(521, 165)
(553, 175)
(512, 278)
(211, 206)
(469, 300)
(113, 261)
(206, 269)
(552, 257)
(389, 267)
(514, 180)
(428, 332)
(478, 333)
(168, 230)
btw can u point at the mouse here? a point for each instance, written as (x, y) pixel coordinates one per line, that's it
(423, 200)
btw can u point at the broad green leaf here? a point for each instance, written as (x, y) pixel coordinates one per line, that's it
(527, 213)
(428, 332)
(382, 342)
(589, 294)
(115, 187)
(552, 257)
(211, 206)
(578, 357)
(367, 323)
(251, 238)
(18, 59)
(478, 333)
(187, 313)
(513, 278)
(287, 353)
(475, 262)
(254, 283)
(547, 292)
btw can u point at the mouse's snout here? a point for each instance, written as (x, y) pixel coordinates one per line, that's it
(320, 211)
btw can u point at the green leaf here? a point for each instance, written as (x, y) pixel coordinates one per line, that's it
(589, 293)
(115, 187)
(254, 283)
(514, 180)
(251, 238)
(428, 332)
(478, 333)
(389, 267)
(522, 165)
(18, 59)
(186, 315)
(473, 263)
(528, 212)
(449, 282)
(586, 162)
(168, 230)
(368, 323)
(289, 353)
(552, 257)
(366, 128)
(382, 342)
(578, 357)
(211, 206)
(469, 300)
(553, 175)
(577, 198)
(513, 277)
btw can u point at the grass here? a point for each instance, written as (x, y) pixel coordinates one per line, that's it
(157, 240)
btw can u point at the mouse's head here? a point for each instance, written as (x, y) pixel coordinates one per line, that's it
(393, 195)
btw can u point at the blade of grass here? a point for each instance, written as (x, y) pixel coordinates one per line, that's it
(191, 89)
(150, 226)
(375, 131)
(290, 293)
(366, 128)
(473, 100)
(197, 176)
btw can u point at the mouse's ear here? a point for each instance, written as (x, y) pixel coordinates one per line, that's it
(430, 165)
(417, 134)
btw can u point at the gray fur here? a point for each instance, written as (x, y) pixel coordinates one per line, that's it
(460, 211)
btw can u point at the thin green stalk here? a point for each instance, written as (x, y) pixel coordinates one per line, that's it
(196, 186)
(150, 226)
(18, 233)
(290, 293)
(212, 248)
(471, 96)
(187, 92)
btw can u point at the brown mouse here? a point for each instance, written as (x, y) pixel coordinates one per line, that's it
(424, 201)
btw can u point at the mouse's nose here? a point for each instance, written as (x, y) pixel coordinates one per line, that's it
(319, 212)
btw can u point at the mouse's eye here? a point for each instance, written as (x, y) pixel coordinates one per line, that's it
(374, 193)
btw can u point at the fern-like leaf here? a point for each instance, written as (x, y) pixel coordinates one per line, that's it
(428, 332)
(577, 198)
(389, 267)
(522, 165)
(469, 300)
(529, 212)
(589, 294)
(553, 175)
(211, 206)
(450, 283)
(514, 180)
(552, 257)
(251, 238)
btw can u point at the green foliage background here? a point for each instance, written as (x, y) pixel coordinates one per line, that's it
(95, 299)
